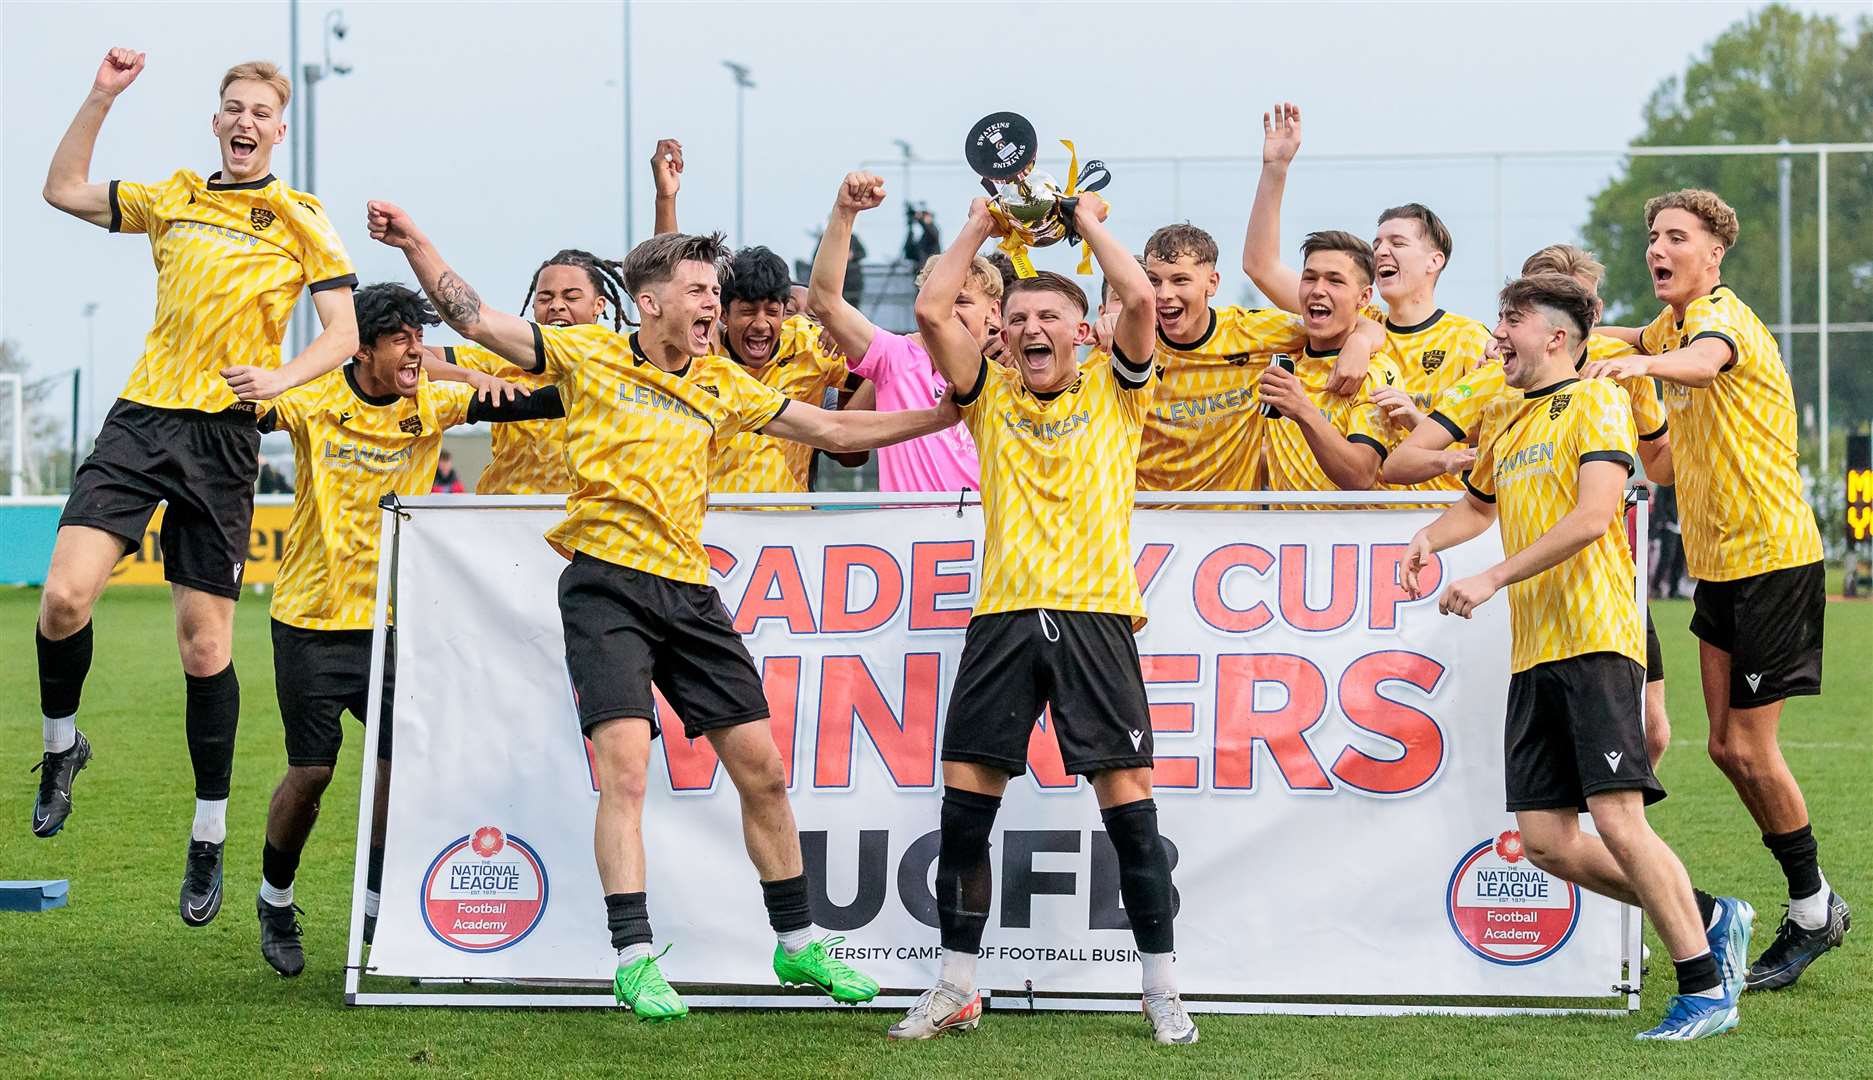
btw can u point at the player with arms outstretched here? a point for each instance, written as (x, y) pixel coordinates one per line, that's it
(232, 252)
(1058, 604)
(1551, 466)
(372, 428)
(646, 411)
(1750, 540)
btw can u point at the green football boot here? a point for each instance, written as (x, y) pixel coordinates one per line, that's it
(812, 966)
(641, 985)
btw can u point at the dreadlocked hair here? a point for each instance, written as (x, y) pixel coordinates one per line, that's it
(606, 276)
(755, 274)
(387, 308)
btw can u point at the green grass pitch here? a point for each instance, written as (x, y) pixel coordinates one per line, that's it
(116, 985)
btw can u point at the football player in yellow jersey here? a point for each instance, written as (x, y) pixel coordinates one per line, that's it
(572, 288)
(1750, 541)
(781, 349)
(1551, 466)
(1204, 429)
(1058, 601)
(1432, 348)
(1457, 413)
(232, 254)
(371, 428)
(1324, 441)
(646, 411)
(783, 353)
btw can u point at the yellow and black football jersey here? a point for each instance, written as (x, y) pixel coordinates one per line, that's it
(1204, 428)
(641, 442)
(1289, 463)
(1433, 356)
(1528, 461)
(801, 371)
(1740, 497)
(529, 456)
(1058, 478)
(1460, 408)
(231, 260)
(349, 450)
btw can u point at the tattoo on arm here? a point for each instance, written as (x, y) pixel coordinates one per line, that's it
(457, 301)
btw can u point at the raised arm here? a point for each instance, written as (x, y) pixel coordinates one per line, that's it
(825, 290)
(509, 336)
(666, 172)
(951, 347)
(68, 180)
(1261, 247)
(337, 341)
(1136, 332)
(845, 432)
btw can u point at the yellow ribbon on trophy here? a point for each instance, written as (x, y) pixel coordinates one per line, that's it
(1018, 236)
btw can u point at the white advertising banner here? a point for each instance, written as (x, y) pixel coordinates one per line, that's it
(1329, 768)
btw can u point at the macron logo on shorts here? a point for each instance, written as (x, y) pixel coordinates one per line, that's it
(1754, 681)
(1612, 759)
(1137, 737)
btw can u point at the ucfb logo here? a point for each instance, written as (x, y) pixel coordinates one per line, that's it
(1506, 909)
(484, 892)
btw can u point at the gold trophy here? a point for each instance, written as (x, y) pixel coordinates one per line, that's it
(1029, 205)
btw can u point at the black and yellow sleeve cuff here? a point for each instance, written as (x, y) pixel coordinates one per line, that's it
(1727, 340)
(982, 378)
(1449, 425)
(342, 281)
(1619, 456)
(1367, 440)
(1471, 488)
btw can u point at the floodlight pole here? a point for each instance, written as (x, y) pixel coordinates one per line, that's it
(1821, 332)
(742, 85)
(335, 30)
(630, 184)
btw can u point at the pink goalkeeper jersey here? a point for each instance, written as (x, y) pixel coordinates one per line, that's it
(946, 461)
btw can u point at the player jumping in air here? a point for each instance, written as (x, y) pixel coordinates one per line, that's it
(1551, 466)
(1058, 604)
(1750, 540)
(646, 411)
(233, 252)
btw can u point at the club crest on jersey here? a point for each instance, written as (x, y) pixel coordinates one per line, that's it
(484, 892)
(1507, 910)
(1558, 405)
(411, 425)
(260, 216)
(1432, 359)
(710, 390)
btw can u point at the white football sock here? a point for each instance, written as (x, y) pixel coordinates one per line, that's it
(276, 897)
(371, 899)
(795, 940)
(211, 821)
(1810, 912)
(59, 733)
(1159, 978)
(959, 970)
(631, 954)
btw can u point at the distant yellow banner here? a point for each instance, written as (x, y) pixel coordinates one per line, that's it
(266, 546)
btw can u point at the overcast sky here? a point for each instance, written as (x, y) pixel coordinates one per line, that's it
(500, 126)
